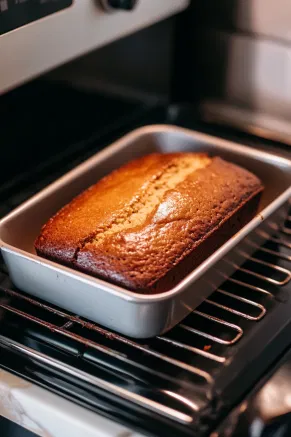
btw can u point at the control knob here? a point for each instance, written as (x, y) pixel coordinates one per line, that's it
(111, 5)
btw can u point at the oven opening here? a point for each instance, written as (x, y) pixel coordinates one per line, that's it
(183, 380)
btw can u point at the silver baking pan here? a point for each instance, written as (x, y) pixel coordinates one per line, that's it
(124, 311)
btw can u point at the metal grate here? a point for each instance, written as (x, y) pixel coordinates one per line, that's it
(198, 346)
(287, 227)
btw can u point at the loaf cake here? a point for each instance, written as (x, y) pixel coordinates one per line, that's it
(149, 223)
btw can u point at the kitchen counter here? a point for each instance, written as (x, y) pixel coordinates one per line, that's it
(49, 415)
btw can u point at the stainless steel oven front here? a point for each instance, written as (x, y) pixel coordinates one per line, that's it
(38, 35)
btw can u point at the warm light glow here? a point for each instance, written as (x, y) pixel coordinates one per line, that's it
(185, 401)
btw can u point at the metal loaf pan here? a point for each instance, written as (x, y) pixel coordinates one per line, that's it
(133, 314)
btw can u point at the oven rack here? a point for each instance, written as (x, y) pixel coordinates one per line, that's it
(206, 336)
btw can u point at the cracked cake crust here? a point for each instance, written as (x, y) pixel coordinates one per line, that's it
(149, 223)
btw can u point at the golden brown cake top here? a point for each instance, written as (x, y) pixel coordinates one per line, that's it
(187, 215)
(140, 221)
(107, 202)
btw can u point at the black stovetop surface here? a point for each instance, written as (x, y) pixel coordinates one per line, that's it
(208, 369)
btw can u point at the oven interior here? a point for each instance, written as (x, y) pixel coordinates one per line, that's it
(186, 381)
